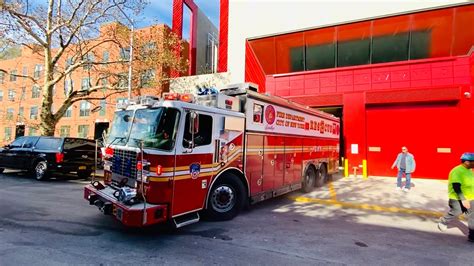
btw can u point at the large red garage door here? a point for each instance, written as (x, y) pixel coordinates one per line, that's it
(431, 133)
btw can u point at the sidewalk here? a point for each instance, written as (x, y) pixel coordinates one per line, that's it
(376, 200)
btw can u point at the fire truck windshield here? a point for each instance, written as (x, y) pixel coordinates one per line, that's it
(156, 128)
(120, 127)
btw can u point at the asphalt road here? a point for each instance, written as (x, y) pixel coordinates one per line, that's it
(49, 223)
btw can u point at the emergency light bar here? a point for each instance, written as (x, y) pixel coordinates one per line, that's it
(184, 97)
(122, 105)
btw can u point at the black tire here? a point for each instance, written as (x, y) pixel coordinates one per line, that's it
(1, 170)
(321, 176)
(226, 198)
(309, 180)
(40, 170)
(84, 174)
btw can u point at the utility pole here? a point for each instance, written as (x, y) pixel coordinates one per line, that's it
(130, 59)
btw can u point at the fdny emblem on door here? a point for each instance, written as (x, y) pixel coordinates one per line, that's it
(194, 170)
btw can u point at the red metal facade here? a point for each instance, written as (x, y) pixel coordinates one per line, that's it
(223, 35)
(177, 22)
(425, 104)
(422, 104)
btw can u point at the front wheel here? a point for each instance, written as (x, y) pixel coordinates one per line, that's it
(40, 170)
(226, 198)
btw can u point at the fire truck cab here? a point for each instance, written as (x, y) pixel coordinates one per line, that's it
(181, 156)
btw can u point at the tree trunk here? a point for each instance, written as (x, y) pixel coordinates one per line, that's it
(47, 124)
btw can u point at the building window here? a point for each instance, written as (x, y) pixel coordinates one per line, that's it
(68, 112)
(38, 69)
(103, 108)
(35, 92)
(8, 134)
(34, 112)
(105, 57)
(2, 77)
(147, 78)
(65, 131)
(23, 93)
(32, 131)
(1, 96)
(13, 74)
(68, 86)
(85, 108)
(211, 52)
(86, 84)
(125, 54)
(10, 112)
(11, 94)
(69, 62)
(123, 80)
(82, 131)
(88, 59)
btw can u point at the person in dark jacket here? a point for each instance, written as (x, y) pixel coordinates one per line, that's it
(461, 194)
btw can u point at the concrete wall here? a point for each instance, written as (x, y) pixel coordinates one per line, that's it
(251, 18)
(205, 26)
(190, 83)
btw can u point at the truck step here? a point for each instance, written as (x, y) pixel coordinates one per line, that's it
(186, 219)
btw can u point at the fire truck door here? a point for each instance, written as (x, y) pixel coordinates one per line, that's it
(254, 158)
(293, 159)
(269, 180)
(194, 166)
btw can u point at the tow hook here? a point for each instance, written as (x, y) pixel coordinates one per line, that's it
(92, 199)
(105, 208)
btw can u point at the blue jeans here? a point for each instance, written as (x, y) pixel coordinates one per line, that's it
(399, 178)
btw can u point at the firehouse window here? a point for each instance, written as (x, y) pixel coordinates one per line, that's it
(353, 53)
(420, 44)
(257, 113)
(390, 48)
(204, 133)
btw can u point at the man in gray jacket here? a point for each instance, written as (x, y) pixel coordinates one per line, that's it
(405, 163)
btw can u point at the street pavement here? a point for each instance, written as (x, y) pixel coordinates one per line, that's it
(351, 221)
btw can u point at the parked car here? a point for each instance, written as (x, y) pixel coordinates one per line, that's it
(42, 156)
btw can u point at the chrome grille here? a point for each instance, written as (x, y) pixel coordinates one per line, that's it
(124, 163)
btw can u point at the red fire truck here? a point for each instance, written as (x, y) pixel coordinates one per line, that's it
(182, 156)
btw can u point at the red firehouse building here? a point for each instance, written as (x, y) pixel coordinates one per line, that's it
(400, 80)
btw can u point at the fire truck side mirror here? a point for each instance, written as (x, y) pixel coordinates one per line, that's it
(194, 123)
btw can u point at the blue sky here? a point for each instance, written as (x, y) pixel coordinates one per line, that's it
(160, 11)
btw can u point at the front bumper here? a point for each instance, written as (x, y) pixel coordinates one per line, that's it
(128, 215)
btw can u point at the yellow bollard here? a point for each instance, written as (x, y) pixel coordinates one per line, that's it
(364, 168)
(346, 168)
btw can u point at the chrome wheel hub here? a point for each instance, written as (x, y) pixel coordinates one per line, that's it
(223, 198)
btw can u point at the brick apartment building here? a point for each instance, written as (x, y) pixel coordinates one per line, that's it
(20, 97)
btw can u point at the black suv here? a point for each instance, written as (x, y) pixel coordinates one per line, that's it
(45, 155)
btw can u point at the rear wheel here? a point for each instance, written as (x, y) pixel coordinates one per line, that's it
(40, 170)
(226, 198)
(321, 176)
(84, 174)
(309, 179)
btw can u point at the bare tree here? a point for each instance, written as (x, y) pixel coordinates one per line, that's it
(70, 37)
